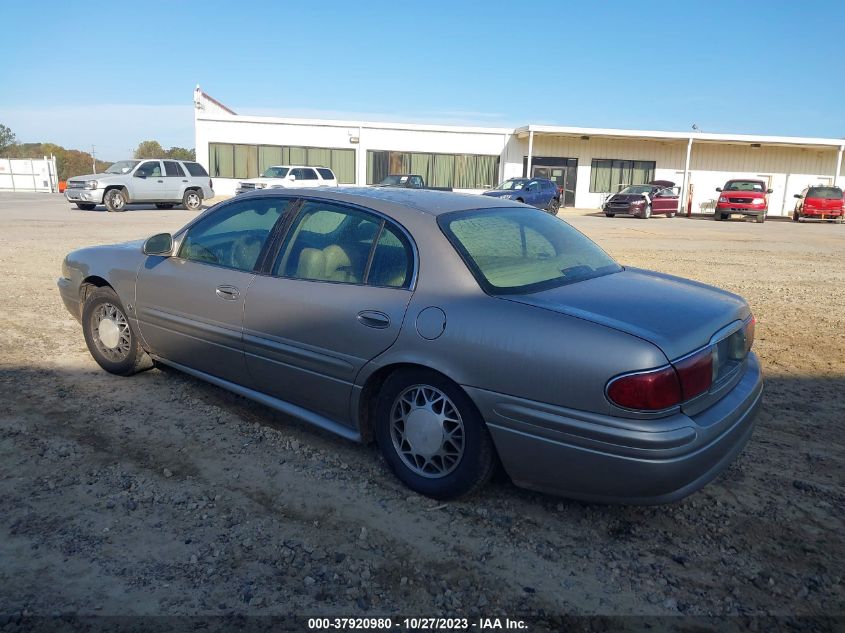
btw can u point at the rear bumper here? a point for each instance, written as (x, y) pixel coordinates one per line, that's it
(821, 213)
(616, 460)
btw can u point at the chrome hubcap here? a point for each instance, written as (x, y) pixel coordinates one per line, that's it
(427, 431)
(193, 201)
(111, 332)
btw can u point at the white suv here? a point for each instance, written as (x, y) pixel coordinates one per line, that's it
(285, 176)
(164, 182)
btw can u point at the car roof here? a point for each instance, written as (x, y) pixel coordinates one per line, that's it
(392, 201)
(298, 166)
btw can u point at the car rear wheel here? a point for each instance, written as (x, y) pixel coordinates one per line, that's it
(796, 217)
(432, 436)
(192, 200)
(115, 200)
(164, 205)
(554, 206)
(671, 214)
(610, 215)
(86, 206)
(109, 336)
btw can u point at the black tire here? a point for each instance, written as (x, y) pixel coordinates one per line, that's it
(115, 200)
(796, 217)
(671, 214)
(460, 475)
(554, 205)
(127, 356)
(520, 200)
(610, 215)
(192, 200)
(164, 205)
(760, 218)
(86, 206)
(645, 214)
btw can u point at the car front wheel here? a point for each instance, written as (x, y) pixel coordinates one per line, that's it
(192, 200)
(115, 200)
(109, 336)
(645, 214)
(432, 436)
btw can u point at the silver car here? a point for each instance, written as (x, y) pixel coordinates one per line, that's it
(457, 331)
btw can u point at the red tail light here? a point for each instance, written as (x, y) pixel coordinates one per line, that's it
(696, 373)
(646, 391)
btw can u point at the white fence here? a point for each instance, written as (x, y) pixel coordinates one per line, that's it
(28, 174)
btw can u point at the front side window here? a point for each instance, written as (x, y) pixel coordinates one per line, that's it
(234, 235)
(512, 251)
(151, 169)
(330, 242)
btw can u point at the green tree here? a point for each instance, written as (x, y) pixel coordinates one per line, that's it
(149, 149)
(7, 138)
(180, 153)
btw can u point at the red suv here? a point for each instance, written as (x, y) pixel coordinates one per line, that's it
(743, 197)
(819, 203)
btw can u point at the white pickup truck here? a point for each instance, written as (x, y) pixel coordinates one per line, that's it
(286, 176)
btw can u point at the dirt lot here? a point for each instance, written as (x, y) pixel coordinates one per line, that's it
(162, 494)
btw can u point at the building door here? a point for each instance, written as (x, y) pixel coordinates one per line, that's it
(563, 171)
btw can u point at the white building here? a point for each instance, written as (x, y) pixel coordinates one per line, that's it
(589, 163)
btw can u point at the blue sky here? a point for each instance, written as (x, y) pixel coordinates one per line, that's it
(111, 74)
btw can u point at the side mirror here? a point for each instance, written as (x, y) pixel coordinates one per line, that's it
(798, 195)
(770, 190)
(718, 188)
(291, 177)
(159, 244)
(140, 174)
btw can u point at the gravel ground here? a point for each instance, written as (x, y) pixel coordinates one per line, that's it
(160, 494)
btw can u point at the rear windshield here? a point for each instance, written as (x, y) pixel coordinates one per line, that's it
(825, 193)
(513, 251)
(195, 169)
(744, 185)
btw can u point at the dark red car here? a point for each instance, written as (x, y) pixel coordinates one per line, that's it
(656, 197)
(743, 196)
(819, 203)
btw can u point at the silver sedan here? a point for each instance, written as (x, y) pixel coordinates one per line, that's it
(459, 332)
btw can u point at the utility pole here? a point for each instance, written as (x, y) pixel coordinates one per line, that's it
(93, 161)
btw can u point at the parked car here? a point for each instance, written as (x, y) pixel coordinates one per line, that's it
(287, 176)
(164, 182)
(658, 197)
(457, 331)
(819, 203)
(538, 192)
(408, 181)
(742, 197)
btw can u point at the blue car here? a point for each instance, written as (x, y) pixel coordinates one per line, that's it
(538, 192)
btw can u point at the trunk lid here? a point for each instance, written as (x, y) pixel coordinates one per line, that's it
(677, 315)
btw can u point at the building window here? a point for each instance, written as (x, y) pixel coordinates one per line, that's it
(611, 175)
(250, 161)
(458, 171)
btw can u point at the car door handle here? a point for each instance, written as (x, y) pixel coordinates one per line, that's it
(229, 293)
(373, 318)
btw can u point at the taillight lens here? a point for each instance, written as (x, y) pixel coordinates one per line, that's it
(696, 373)
(646, 391)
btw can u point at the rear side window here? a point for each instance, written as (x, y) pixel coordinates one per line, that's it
(172, 168)
(326, 173)
(825, 193)
(512, 251)
(195, 169)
